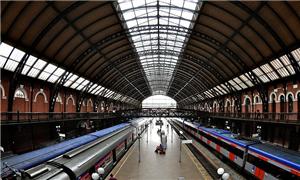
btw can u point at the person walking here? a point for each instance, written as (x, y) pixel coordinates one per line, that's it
(112, 177)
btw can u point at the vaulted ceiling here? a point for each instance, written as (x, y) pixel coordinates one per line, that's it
(184, 49)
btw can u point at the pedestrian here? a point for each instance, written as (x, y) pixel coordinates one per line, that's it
(257, 114)
(112, 177)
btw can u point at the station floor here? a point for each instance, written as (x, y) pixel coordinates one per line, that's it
(155, 166)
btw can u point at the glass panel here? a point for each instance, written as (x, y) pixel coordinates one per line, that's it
(171, 13)
(5, 50)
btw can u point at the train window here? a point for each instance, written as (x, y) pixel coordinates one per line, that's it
(226, 146)
(270, 168)
(104, 162)
(120, 148)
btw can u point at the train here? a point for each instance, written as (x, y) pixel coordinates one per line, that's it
(256, 158)
(77, 158)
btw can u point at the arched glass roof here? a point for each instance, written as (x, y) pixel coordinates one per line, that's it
(190, 50)
(159, 68)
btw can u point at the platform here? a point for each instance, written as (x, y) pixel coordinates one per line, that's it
(156, 166)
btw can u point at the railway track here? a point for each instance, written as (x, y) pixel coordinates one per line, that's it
(209, 161)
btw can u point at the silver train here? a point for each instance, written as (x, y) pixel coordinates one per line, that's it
(80, 163)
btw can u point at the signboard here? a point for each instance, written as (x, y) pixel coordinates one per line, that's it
(187, 141)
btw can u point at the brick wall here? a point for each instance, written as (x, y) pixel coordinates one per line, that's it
(37, 98)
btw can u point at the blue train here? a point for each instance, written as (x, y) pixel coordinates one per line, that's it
(262, 160)
(32, 159)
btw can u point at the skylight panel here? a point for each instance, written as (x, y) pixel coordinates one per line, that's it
(285, 60)
(296, 54)
(53, 78)
(5, 49)
(33, 72)
(2, 61)
(24, 70)
(50, 68)
(11, 65)
(71, 79)
(170, 14)
(59, 72)
(31, 60)
(17, 55)
(246, 80)
(44, 75)
(93, 88)
(268, 70)
(14, 59)
(128, 14)
(239, 82)
(40, 64)
(258, 72)
(278, 65)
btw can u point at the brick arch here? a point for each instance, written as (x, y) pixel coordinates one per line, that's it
(73, 101)
(228, 107)
(290, 93)
(70, 107)
(278, 98)
(21, 104)
(21, 88)
(2, 91)
(296, 95)
(275, 95)
(59, 99)
(259, 99)
(247, 97)
(41, 92)
(89, 105)
(58, 104)
(3, 99)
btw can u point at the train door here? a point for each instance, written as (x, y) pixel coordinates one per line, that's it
(126, 145)
(114, 156)
(132, 136)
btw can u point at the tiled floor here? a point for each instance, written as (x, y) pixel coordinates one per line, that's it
(154, 166)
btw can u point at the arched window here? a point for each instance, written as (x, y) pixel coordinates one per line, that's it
(290, 103)
(228, 105)
(58, 99)
(273, 98)
(247, 105)
(257, 100)
(159, 101)
(19, 94)
(281, 103)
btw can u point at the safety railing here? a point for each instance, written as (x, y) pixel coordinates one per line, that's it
(293, 118)
(162, 112)
(35, 117)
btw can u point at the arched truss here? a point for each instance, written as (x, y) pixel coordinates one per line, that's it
(228, 39)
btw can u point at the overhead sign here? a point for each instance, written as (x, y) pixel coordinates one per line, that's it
(187, 141)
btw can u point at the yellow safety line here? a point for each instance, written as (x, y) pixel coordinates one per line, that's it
(125, 160)
(200, 168)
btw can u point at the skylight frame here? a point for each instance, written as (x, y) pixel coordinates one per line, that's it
(144, 14)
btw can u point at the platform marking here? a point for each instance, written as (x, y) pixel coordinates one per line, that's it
(200, 168)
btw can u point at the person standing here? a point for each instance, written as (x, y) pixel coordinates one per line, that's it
(112, 177)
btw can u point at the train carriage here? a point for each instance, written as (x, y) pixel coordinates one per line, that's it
(262, 160)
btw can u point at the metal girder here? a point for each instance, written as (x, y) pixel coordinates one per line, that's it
(222, 47)
(91, 44)
(54, 91)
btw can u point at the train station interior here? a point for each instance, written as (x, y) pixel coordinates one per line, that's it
(150, 90)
